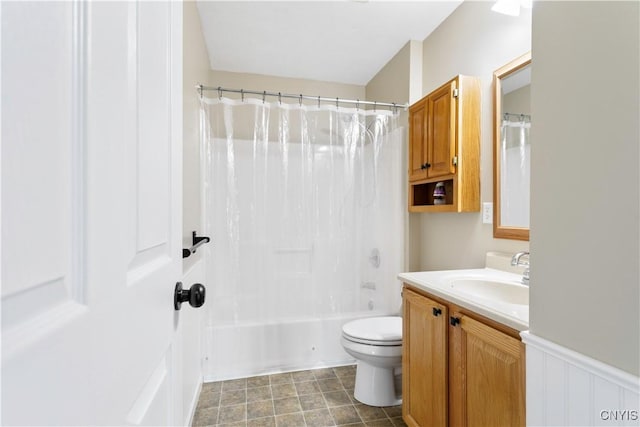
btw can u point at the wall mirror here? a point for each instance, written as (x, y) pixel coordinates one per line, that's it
(511, 161)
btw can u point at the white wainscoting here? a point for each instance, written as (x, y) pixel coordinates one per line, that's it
(566, 388)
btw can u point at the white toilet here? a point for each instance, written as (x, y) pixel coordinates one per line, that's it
(376, 343)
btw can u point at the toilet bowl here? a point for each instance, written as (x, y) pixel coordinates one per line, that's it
(376, 344)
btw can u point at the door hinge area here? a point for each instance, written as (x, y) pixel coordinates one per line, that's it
(456, 92)
(454, 160)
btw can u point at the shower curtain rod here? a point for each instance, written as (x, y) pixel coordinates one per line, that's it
(516, 115)
(300, 97)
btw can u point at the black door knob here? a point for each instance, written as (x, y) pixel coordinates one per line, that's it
(194, 295)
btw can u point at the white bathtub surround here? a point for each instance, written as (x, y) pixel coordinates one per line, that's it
(566, 388)
(254, 348)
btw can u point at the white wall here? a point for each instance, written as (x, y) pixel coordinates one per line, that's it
(472, 41)
(396, 82)
(585, 182)
(391, 83)
(517, 101)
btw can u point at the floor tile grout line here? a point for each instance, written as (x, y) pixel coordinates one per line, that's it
(219, 403)
(273, 403)
(300, 404)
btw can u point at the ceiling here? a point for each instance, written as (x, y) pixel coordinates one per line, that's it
(335, 41)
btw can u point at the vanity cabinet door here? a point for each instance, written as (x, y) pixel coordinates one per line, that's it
(486, 376)
(424, 361)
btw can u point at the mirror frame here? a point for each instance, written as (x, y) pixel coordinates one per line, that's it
(500, 231)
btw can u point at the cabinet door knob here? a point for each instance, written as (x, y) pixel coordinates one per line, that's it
(425, 166)
(436, 311)
(454, 321)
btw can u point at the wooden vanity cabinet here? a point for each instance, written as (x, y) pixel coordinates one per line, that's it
(444, 146)
(459, 369)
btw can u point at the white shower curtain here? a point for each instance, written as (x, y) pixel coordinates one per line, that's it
(515, 175)
(297, 200)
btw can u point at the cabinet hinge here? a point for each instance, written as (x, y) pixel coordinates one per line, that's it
(456, 93)
(454, 160)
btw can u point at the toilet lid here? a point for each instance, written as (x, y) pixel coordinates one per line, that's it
(385, 330)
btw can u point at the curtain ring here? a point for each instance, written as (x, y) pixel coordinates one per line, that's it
(300, 100)
(219, 92)
(375, 104)
(357, 104)
(395, 109)
(318, 101)
(242, 94)
(280, 98)
(264, 95)
(337, 103)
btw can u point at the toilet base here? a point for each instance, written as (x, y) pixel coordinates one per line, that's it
(376, 386)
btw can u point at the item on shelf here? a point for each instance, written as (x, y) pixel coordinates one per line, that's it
(439, 194)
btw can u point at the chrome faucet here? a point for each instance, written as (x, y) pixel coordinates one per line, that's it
(515, 261)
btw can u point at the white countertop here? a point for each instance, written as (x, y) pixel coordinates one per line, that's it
(438, 283)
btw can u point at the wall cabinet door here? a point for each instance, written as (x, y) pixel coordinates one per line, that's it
(441, 131)
(424, 361)
(418, 149)
(486, 376)
(433, 134)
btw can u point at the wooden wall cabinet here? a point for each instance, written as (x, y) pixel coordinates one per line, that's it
(444, 146)
(459, 369)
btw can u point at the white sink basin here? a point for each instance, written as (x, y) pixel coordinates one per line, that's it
(511, 293)
(498, 295)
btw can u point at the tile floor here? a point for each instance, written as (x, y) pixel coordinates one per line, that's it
(321, 397)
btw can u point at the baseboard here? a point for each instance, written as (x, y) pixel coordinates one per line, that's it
(193, 405)
(566, 388)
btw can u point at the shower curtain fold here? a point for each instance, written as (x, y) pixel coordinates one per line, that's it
(295, 199)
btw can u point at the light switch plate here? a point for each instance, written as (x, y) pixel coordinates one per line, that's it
(487, 213)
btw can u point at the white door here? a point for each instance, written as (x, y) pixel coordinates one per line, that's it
(91, 217)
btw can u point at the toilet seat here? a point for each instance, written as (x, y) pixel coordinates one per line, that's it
(379, 331)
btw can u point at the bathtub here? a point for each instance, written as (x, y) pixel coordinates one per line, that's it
(245, 350)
